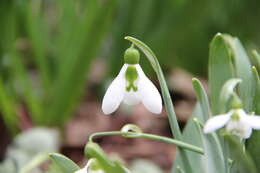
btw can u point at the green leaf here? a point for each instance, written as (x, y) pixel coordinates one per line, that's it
(22, 78)
(253, 143)
(75, 60)
(243, 71)
(257, 94)
(63, 163)
(255, 59)
(211, 143)
(242, 161)
(35, 25)
(202, 97)
(220, 69)
(8, 106)
(212, 161)
(228, 59)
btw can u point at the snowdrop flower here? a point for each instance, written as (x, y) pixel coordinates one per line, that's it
(237, 122)
(131, 86)
(90, 168)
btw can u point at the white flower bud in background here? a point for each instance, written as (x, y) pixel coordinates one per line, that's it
(90, 168)
(132, 87)
(236, 121)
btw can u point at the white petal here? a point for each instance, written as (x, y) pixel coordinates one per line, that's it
(241, 113)
(239, 128)
(216, 122)
(253, 121)
(148, 93)
(87, 169)
(131, 98)
(84, 170)
(115, 93)
(247, 133)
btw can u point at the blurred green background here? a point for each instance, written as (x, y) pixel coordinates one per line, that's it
(46, 47)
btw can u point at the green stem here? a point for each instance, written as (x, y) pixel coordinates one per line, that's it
(165, 91)
(152, 137)
(166, 97)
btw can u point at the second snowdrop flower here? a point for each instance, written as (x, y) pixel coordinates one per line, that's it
(237, 122)
(91, 167)
(131, 86)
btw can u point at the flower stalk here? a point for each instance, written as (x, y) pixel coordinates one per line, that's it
(167, 140)
(165, 91)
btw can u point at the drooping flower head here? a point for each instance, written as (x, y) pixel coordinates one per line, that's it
(236, 121)
(132, 87)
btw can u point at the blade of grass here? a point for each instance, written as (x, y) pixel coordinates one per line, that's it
(8, 109)
(202, 98)
(37, 35)
(256, 59)
(71, 78)
(22, 78)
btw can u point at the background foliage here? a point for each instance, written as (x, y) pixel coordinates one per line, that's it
(47, 47)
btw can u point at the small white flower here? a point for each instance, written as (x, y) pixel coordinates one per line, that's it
(132, 87)
(88, 169)
(237, 122)
(91, 168)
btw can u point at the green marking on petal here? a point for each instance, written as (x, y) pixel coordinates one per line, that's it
(235, 116)
(131, 76)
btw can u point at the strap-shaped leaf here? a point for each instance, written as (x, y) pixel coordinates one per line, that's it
(253, 142)
(75, 58)
(228, 59)
(202, 98)
(212, 160)
(242, 70)
(220, 69)
(242, 161)
(63, 163)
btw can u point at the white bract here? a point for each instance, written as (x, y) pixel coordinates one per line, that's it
(237, 122)
(132, 87)
(88, 168)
